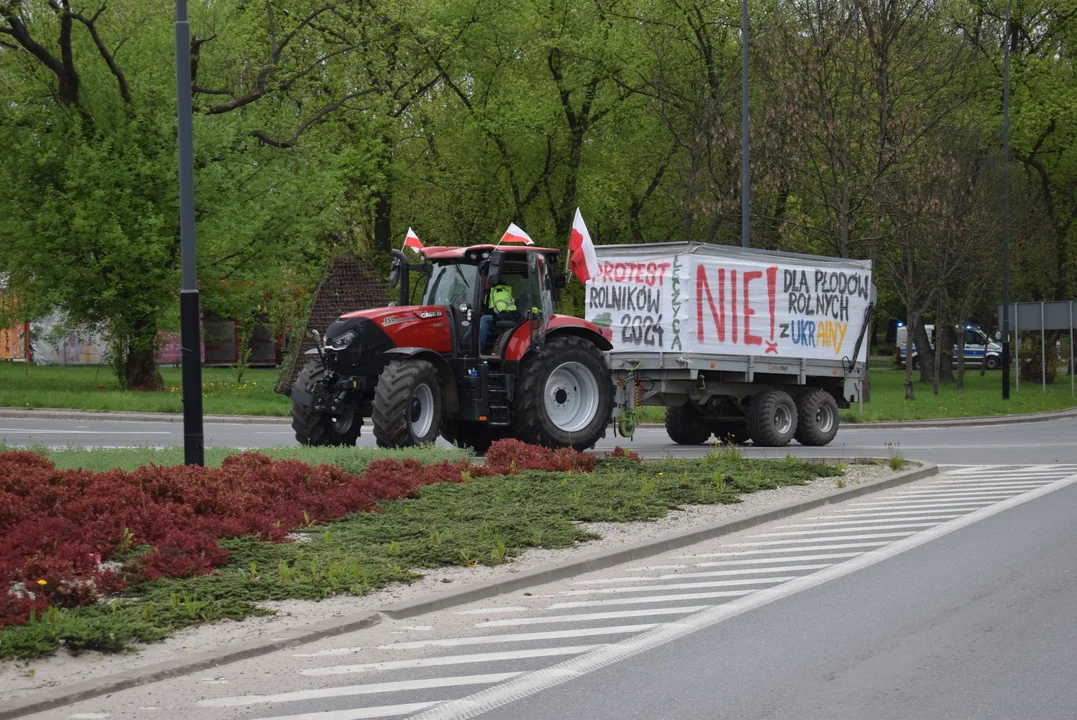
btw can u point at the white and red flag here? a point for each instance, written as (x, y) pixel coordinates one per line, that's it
(583, 261)
(412, 241)
(515, 235)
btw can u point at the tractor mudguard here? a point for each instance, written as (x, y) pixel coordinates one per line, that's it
(520, 343)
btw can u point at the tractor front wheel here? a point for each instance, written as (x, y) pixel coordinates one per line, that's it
(564, 395)
(407, 404)
(315, 427)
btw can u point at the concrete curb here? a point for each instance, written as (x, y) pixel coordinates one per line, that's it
(88, 689)
(117, 416)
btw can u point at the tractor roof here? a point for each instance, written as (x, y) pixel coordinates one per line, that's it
(447, 253)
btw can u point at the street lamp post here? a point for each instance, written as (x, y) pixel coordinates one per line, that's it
(745, 179)
(1006, 205)
(190, 340)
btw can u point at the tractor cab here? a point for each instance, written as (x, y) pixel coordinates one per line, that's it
(459, 280)
(420, 368)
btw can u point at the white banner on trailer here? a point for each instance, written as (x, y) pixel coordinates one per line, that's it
(695, 303)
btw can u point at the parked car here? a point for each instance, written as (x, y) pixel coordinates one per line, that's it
(979, 349)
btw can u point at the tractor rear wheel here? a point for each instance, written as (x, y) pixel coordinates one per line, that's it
(564, 395)
(685, 426)
(315, 427)
(475, 435)
(407, 404)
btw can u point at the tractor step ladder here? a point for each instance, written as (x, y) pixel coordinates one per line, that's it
(499, 400)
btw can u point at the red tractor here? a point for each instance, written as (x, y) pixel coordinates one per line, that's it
(416, 369)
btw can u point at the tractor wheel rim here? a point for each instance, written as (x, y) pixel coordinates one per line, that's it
(422, 410)
(571, 397)
(824, 419)
(783, 420)
(342, 423)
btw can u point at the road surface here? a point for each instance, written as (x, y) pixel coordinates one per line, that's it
(1025, 443)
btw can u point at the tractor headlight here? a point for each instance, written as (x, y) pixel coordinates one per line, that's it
(342, 341)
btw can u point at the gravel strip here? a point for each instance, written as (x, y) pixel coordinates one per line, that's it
(17, 679)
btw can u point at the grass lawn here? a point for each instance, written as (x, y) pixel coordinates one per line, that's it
(982, 397)
(482, 520)
(81, 387)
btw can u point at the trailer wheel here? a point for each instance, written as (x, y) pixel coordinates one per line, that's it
(407, 404)
(686, 426)
(314, 427)
(817, 418)
(477, 436)
(772, 418)
(564, 395)
(731, 432)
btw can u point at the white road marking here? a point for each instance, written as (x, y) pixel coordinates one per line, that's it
(359, 713)
(448, 660)
(532, 683)
(915, 504)
(591, 617)
(783, 558)
(679, 586)
(518, 637)
(891, 506)
(980, 485)
(482, 611)
(713, 573)
(12, 431)
(349, 690)
(656, 567)
(958, 492)
(894, 512)
(876, 521)
(874, 536)
(824, 531)
(651, 599)
(89, 716)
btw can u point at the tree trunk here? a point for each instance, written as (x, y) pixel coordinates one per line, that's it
(944, 344)
(909, 388)
(142, 373)
(925, 353)
(961, 362)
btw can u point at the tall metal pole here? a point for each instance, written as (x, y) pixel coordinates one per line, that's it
(745, 177)
(190, 341)
(1006, 205)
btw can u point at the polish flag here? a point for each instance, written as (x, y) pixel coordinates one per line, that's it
(412, 241)
(516, 235)
(584, 262)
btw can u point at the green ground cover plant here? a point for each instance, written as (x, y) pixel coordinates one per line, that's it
(467, 518)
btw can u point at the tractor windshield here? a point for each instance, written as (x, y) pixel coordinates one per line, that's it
(451, 284)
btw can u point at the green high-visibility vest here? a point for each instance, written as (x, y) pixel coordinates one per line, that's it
(500, 299)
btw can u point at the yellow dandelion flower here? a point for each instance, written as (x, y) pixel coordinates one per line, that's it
(42, 582)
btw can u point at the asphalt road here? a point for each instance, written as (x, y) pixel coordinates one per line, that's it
(1017, 444)
(975, 624)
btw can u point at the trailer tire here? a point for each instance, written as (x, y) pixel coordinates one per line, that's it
(772, 418)
(407, 404)
(564, 395)
(817, 418)
(475, 435)
(686, 426)
(318, 428)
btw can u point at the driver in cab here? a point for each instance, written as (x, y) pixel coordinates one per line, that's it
(500, 306)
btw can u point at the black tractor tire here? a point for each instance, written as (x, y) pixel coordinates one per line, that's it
(817, 418)
(475, 435)
(531, 420)
(772, 418)
(407, 404)
(315, 427)
(731, 432)
(686, 426)
(993, 362)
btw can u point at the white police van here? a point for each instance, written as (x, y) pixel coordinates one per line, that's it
(979, 349)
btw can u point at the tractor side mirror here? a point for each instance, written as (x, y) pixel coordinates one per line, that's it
(398, 275)
(496, 269)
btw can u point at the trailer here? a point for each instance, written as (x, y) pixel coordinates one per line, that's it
(736, 343)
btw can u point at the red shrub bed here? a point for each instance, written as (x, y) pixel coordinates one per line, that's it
(61, 528)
